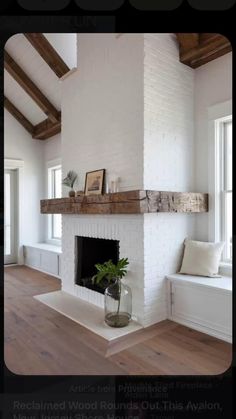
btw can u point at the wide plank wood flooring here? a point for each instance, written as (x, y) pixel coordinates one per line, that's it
(40, 341)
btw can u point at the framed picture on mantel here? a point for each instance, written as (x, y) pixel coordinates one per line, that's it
(94, 182)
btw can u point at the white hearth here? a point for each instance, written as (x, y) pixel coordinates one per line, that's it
(85, 314)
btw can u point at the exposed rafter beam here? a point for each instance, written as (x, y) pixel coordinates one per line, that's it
(199, 49)
(41, 131)
(48, 53)
(33, 91)
(46, 129)
(188, 41)
(18, 116)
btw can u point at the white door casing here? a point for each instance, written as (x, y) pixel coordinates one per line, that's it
(10, 216)
(18, 167)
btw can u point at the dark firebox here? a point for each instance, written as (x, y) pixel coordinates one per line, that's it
(88, 252)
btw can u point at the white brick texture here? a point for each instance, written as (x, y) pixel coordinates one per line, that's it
(168, 163)
(102, 107)
(168, 116)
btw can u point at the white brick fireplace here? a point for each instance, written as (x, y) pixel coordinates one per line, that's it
(129, 109)
(129, 233)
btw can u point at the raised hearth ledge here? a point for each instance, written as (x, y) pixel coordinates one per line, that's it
(86, 314)
(129, 202)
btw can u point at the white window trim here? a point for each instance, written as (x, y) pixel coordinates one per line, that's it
(52, 164)
(216, 114)
(19, 166)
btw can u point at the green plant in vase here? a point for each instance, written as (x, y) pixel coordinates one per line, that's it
(70, 181)
(118, 297)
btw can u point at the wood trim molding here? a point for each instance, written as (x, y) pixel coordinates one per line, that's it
(13, 164)
(198, 49)
(30, 88)
(18, 115)
(130, 202)
(48, 53)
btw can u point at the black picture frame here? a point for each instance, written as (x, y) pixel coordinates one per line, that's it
(94, 182)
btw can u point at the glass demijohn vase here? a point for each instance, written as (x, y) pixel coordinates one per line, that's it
(118, 304)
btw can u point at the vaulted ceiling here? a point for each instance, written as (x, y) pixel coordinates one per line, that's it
(32, 91)
(34, 63)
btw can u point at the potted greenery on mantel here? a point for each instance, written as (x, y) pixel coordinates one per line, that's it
(69, 181)
(118, 297)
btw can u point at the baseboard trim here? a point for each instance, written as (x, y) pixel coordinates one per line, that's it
(201, 328)
(40, 270)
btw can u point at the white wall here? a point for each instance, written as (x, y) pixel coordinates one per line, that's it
(52, 148)
(213, 84)
(19, 145)
(102, 108)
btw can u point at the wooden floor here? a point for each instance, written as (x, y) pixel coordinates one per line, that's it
(40, 341)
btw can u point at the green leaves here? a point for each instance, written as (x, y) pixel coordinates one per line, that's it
(70, 179)
(110, 271)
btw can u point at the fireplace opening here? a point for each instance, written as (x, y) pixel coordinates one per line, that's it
(88, 252)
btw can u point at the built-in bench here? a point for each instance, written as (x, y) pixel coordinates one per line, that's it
(204, 304)
(44, 257)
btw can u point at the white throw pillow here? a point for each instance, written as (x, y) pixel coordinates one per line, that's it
(201, 258)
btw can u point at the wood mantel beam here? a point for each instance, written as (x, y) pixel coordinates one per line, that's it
(199, 49)
(129, 202)
(33, 91)
(18, 116)
(48, 53)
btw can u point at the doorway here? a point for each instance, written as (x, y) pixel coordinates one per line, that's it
(10, 216)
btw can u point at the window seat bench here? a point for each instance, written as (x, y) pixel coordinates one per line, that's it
(43, 257)
(204, 304)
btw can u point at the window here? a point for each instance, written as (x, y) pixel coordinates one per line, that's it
(220, 180)
(54, 191)
(222, 192)
(226, 225)
(7, 217)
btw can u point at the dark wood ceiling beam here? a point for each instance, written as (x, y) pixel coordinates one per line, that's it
(210, 56)
(18, 115)
(188, 41)
(33, 91)
(48, 53)
(210, 47)
(41, 131)
(46, 129)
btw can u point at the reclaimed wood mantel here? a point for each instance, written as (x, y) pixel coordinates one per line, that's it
(130, 202)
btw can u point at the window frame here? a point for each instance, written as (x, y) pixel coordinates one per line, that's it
(218, 115)
(223, 186)
(51, 167)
